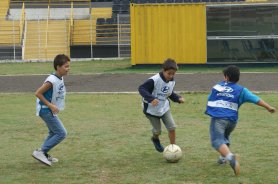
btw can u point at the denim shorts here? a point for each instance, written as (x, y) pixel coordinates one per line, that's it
(167, 119)
(220, 130)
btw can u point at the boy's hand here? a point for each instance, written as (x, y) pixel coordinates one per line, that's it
(181, 100)
(271, 109)
(54, 109)
(155, 102)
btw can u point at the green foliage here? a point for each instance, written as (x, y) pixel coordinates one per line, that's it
(115, 66)
(109, 142)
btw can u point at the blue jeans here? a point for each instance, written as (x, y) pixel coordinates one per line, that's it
(220, 130)
(56, 133)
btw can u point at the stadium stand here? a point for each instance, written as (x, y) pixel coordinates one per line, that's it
(4, 6)
(84, 31)
(184, 1)
(9, 32)
(45, 3)
(105, 22)
(45, 39)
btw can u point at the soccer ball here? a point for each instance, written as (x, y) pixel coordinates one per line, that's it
(172, 153)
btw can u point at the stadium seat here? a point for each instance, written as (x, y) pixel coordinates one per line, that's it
(169, 1)
(125, 8)
(248, 47)
(111, 27)
(150, 1)
(110, 21)
(178, 1)
(138, 1)
(116, 8)
(230, 51)
(125, 2)
(269, 50)
(116, 2)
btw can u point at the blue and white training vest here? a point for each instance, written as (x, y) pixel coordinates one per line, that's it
(162, 90)
(224, 101)
(55, 95)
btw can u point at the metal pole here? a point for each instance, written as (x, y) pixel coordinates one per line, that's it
(39, 36)
(66, 36)
(118, 22)
(91, 36)
(14, 39)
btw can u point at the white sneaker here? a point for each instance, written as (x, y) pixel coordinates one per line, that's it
(51, 159)
(39, 155)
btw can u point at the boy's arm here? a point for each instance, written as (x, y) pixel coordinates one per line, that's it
(146, 89)
(176, 98)
(39, 93)
(248, 96)
(266, 105)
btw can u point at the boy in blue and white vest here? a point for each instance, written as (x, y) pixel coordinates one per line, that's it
(156, 106)
(50, 101)
(223, 104)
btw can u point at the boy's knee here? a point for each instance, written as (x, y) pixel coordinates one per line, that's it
(63, 134)
(171, 129)
(216, 144)
(157, 133)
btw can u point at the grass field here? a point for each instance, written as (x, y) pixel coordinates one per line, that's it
(115, 66)
(109, 142)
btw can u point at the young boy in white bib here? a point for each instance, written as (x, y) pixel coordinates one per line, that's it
(50, 101)
(156, 92)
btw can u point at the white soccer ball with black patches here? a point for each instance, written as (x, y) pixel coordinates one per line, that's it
(172, 153)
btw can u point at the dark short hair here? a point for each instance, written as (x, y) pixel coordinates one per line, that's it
(232, 72)
(169, 64)
(60, 60)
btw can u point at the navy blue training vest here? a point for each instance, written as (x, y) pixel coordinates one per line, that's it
(224, 101)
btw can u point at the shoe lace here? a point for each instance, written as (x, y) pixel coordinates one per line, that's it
(48, 156)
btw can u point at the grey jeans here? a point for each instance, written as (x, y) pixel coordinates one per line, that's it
(167, 119)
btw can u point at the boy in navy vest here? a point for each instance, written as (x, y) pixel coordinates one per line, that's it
(156, 106)
(223, 104)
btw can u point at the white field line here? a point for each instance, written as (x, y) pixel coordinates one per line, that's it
(134, 73)
(132, 92)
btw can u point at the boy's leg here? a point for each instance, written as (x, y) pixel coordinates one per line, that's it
(57, 130)
(172, 136)
(169, 123)
(156, 130)
(220, 131)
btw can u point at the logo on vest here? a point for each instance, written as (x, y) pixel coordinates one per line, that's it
(227, 89)
(165, 89)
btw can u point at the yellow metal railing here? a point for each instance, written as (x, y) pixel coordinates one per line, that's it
(4, 6)
(86, 3)
(22, 22)
(46, 30)
(70, 25)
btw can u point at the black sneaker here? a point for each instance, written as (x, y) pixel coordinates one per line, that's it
(157, 145)
(235, 165)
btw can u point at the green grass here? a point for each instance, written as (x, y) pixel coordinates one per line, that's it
(114, 66)
(109, 142)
